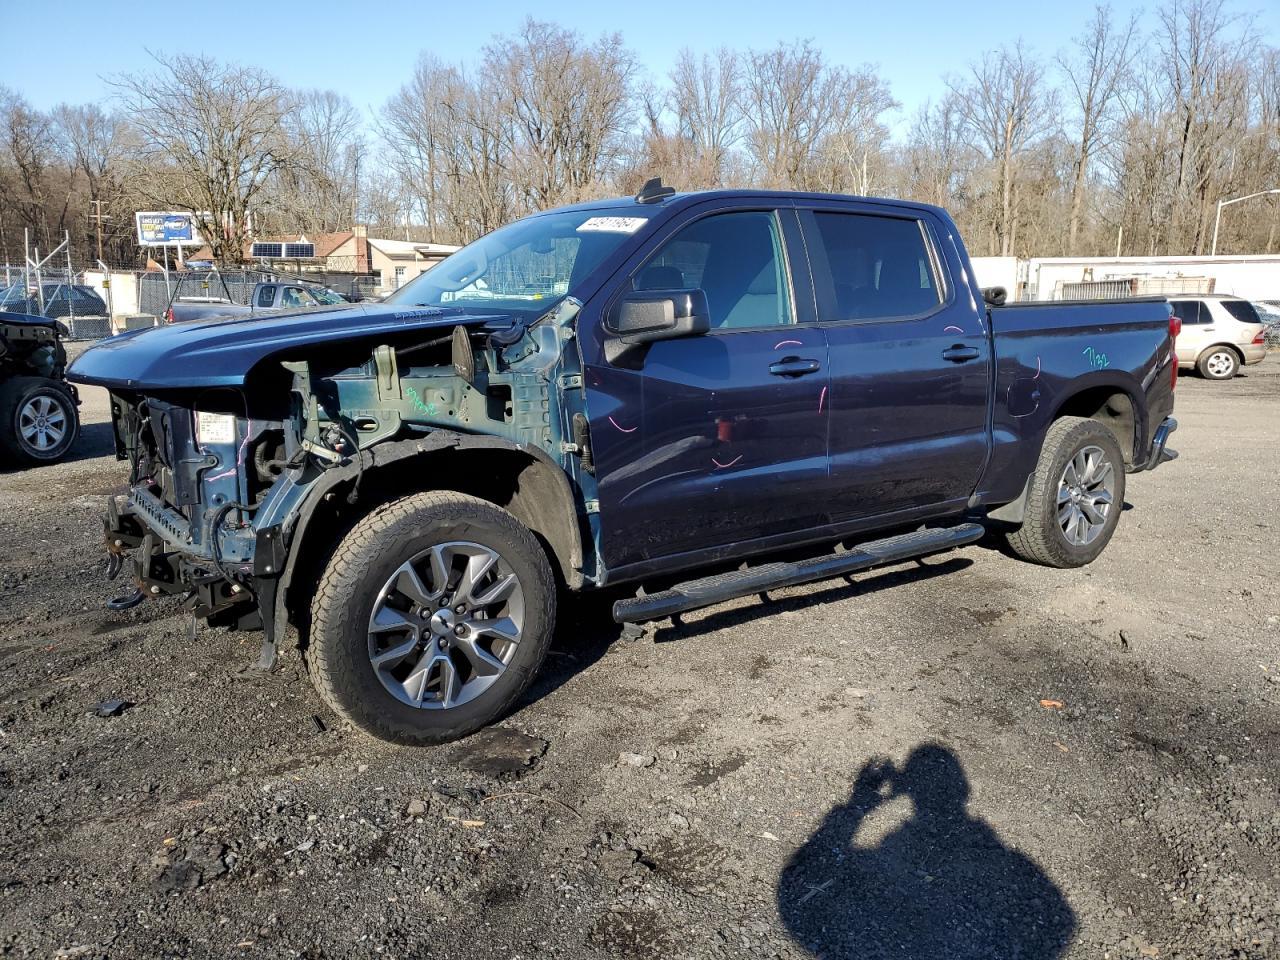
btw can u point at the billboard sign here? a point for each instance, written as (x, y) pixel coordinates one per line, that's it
(166, 229)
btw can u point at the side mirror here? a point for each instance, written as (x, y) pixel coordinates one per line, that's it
(642, 317)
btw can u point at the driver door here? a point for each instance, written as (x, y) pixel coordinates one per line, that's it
(716, 440)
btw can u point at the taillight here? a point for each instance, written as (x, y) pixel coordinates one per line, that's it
(168, 315)
(1260, 338)
(1175, 328)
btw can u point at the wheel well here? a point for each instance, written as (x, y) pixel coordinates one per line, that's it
(1230, 346)
(1111, 407)
(536, 493)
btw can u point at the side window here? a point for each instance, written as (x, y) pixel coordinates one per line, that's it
(266, 295)
(1190, 312)
(295, 297)
(880, 268)
(736, 259)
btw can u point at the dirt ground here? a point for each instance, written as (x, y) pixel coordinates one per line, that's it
(968, 758)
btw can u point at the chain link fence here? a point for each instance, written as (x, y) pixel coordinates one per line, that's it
(57, 293)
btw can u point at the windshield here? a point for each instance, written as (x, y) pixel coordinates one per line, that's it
(526, 266)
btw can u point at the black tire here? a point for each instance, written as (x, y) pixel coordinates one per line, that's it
(17, 397)
(338, 654)
(1218, 363)
(1041, 538)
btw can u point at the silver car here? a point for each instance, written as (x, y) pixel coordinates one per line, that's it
(1220, 334)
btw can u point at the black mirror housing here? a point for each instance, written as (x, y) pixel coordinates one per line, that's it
(644, 316)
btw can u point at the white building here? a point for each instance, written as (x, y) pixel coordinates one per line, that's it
(1063, 278)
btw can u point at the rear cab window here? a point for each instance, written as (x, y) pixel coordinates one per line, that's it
(872, 267)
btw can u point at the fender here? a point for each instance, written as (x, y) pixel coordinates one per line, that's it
(565, 539)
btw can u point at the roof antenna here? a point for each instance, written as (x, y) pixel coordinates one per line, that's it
(653, 191)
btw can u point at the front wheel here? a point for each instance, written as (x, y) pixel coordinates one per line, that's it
(1218, 363)
(433, 616)
(1075, 496)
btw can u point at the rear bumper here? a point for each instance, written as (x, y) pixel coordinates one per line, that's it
(1254, 352)
(1160, 452)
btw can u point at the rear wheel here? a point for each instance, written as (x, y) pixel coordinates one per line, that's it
(1075, 497)
(433, 616)
(1218, 363)
(38, 420)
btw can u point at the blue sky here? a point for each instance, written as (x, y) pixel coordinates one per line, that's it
(59, 51)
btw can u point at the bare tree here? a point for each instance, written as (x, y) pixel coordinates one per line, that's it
(706, 102)
(569, 108)
(211, 135)
(797, 106)
(1096, 72)
(1005, 104)
(318, 189)
(1208, 63)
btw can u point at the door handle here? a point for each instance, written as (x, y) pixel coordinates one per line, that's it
(794, 367)
(959, 354)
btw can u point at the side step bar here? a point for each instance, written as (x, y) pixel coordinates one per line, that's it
(771, 576)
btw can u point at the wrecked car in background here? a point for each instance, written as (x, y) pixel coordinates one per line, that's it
(38, 418)
(619, 391)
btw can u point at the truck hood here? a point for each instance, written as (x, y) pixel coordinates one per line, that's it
(220, 352)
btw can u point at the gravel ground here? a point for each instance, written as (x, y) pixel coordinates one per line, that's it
(972, 757)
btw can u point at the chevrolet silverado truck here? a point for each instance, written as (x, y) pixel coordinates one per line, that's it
(662, 391)
(267, 297)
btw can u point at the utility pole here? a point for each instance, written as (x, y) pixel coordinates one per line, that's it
(97, 219)
(1213, 249)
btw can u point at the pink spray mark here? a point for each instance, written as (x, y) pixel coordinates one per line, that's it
(822, 398)
(952, 328)
(721, 466)
(785, 343)
(621, 427)
(1037, 376)
(231, 472)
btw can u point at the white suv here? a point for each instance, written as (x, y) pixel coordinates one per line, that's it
(1219, 334)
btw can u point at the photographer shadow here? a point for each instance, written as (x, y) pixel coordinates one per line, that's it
(939, 885)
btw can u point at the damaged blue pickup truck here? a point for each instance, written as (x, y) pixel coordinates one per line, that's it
(664, 389)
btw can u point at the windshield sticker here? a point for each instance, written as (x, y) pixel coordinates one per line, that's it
(612, 225)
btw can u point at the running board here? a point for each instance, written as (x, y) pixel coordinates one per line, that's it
(772, 576)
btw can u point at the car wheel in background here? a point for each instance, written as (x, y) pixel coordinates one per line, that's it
(1075, 496)
(1218, 363)
(38, 420)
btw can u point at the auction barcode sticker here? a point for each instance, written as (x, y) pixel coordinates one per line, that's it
(612, 225)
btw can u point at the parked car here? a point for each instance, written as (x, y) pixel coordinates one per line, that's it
(60, 300)
(1269, 314)
(266, 298)
(38, 419)
(1220, 334)
(728, 374)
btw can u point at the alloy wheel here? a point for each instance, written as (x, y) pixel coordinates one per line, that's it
(1086, 495)
(42, 423)
(445, 625)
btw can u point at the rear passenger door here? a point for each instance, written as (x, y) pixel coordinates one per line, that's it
(910, 364)
(727, 440)
(1197, 328)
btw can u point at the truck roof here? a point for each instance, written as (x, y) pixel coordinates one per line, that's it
(679, 200)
